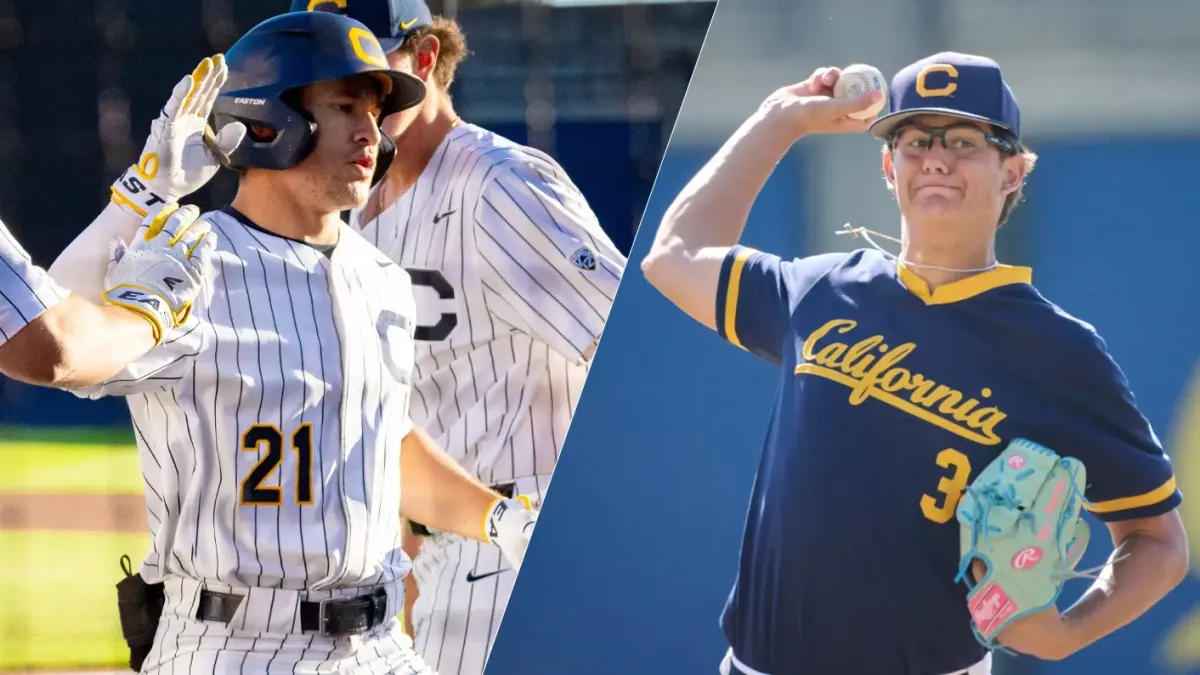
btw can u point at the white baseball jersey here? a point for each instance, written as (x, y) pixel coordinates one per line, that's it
(270, 431)
(26, 290)
(513, 278)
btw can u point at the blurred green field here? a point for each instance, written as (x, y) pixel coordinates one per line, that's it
(57, 589)
(71, 464)
(58, 603)
(57, 594)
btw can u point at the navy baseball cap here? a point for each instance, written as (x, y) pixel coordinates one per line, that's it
(390, 20)
(950, 83)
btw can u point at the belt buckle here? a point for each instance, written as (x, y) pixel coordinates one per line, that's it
(375, 603)
(323, 618)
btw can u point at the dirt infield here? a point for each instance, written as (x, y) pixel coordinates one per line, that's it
(90, 513)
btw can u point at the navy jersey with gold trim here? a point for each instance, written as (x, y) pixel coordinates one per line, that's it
(891, 400)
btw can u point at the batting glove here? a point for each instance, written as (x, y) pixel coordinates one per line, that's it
(162, 272)
(509, 524)
(180, 156)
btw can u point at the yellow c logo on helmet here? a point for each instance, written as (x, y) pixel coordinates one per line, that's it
(923, 89)
(367, 48)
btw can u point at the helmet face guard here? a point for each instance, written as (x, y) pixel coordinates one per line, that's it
(286, 53)
(292, 140)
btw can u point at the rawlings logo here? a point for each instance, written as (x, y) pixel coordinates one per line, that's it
(990, 608)
(1027, 558)
(986, 611)
(871, 369)
(1016, 462)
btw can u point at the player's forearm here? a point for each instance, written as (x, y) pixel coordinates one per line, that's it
(436, 492)
(76, 344)
(711, 211)
(83, 263)
(1148, 567)
(708, 217)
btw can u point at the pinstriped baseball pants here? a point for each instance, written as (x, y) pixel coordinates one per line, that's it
(464, 589)
(262, 638)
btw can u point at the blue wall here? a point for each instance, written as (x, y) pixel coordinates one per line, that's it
(638, 543)
(1115, 241)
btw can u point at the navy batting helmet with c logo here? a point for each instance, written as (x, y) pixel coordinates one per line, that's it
(290, 51)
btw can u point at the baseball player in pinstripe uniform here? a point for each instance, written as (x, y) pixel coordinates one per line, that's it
(276, 441)
(52, 337)
(514, 278)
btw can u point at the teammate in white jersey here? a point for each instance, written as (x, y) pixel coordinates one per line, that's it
(276, 442)
(52, 337)
(514, 280)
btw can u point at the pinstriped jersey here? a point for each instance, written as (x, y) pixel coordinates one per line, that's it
(513, 278)
(270, 432)
(26, 290)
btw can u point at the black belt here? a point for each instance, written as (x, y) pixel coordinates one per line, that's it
(333, 617)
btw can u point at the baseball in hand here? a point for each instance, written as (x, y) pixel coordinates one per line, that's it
(857, 80)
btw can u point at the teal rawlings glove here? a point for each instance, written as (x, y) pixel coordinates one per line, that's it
(1020, 518)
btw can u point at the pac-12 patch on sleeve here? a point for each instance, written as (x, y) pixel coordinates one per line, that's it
(584, 259)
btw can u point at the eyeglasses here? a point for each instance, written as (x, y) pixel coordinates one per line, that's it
(962, 140)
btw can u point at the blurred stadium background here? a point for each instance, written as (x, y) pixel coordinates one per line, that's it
(1109, 92)
(596, 85)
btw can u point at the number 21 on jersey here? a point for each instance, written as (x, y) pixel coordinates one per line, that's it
(950, 488)
(252, 492)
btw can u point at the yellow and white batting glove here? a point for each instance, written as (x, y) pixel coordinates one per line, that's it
(509, 524)
(162, 272)
(177, 159)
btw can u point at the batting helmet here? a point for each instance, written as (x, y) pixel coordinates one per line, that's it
(275, 59)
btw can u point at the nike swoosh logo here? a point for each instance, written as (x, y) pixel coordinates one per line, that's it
(438, 218)
(472, 577)
(406, 26)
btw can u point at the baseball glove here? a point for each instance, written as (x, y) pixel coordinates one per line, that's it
(1020, 518)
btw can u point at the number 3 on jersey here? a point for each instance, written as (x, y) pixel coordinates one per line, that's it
(951, 487)
(253, 492)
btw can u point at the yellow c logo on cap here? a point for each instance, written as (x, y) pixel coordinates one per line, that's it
(367, 48)
(313, 4)
(925, 92)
